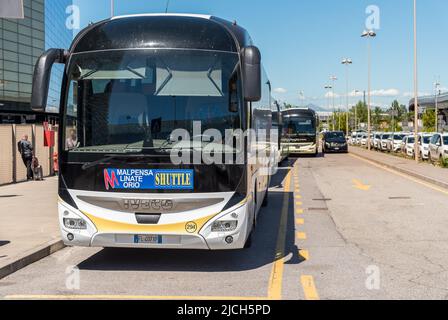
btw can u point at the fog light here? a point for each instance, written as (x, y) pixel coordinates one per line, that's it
(224, 226)
(78, 224)
(70, 237)
(229, 239)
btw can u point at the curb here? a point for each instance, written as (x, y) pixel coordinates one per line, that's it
(407, 172)
(31, 256)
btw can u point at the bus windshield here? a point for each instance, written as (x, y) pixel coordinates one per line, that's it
(131, 100)
(300, 125)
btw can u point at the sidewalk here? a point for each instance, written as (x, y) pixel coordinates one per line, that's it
(28, 223)
(423, 170)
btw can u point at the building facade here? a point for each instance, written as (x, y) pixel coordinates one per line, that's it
(22, 41)
(429, 103)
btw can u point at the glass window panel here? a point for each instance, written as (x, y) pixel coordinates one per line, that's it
(38, 43)
(10, 26)
(11, 56)
(24, 68)
(10, 36)
(23, 87)
(27, 12)
(38, 35)
(11, 46)
(11, 85)
(37, 6)
(37, 52)
(37, 24)
(13, 94)
(25, 40)
(25, 30)
(25, 22)
(25, 49)
(12, 66)
(25, 59)
(37, 15)
(25, 78)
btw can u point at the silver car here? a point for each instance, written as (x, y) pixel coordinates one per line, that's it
(438, 147)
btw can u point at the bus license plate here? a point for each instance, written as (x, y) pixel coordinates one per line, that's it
(147, 239)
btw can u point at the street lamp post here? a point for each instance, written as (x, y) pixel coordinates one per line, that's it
(416, 149)
(356, 111)
(347, 62)
(333, 79)
(328, 88)
(437, 85)
(112, 8)
(369, 34)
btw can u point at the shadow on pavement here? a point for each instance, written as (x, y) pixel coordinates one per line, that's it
(260, 254)
(4, 243)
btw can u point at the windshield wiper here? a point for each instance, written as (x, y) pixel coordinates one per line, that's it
(89, 165)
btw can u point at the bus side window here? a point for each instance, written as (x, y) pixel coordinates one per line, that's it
(71, 134)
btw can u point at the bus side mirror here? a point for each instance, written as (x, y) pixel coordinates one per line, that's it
(41, 77)
(251, 68)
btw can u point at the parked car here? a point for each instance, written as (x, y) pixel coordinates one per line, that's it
(438, 147)
(376, 139)
(334, 141)
(409, 145)
(364, 140)
(394, 142)
(403, 144)
(353, 138)
(382, 143)
(424, 140)
(359, 138)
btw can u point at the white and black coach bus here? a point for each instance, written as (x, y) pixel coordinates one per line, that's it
(129, 83)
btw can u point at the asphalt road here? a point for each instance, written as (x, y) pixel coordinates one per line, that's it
(336, 227)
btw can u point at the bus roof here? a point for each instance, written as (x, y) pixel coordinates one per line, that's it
(162, 31)
(203, 16)
(297, 111)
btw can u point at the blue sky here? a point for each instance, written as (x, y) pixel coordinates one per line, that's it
(303, 42)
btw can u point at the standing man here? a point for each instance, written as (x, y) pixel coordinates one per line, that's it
(26, 150)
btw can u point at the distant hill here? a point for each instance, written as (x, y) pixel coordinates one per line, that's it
(317, 108)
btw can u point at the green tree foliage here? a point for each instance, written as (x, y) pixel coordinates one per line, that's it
(429, 120)
(377, 117)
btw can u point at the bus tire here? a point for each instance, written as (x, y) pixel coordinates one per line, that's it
(248, 243)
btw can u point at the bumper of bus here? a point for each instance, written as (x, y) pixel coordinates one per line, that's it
(302, 149)
(204, 239)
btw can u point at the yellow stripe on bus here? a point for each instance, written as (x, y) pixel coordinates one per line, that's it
(109, 226)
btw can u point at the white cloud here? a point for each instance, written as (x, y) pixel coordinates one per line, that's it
(385, 93)
(377, 93)
(411, 94)
(280, 90)
(331, 95)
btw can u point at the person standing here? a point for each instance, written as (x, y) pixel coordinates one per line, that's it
(26, 151)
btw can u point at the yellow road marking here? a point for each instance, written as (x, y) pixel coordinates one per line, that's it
(301, 235)
(298, 196)
(275, 280)
(309, 288)
(123, 297)
(359, 185)
(300, 221)
(299, 211)
(298, 203)
(416, 180)
(304, 254)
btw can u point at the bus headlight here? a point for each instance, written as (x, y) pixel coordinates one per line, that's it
(224, 226)
(76, 224)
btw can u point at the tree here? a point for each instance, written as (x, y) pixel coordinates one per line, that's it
(376, 118)
(429, 120)
(361, 112)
